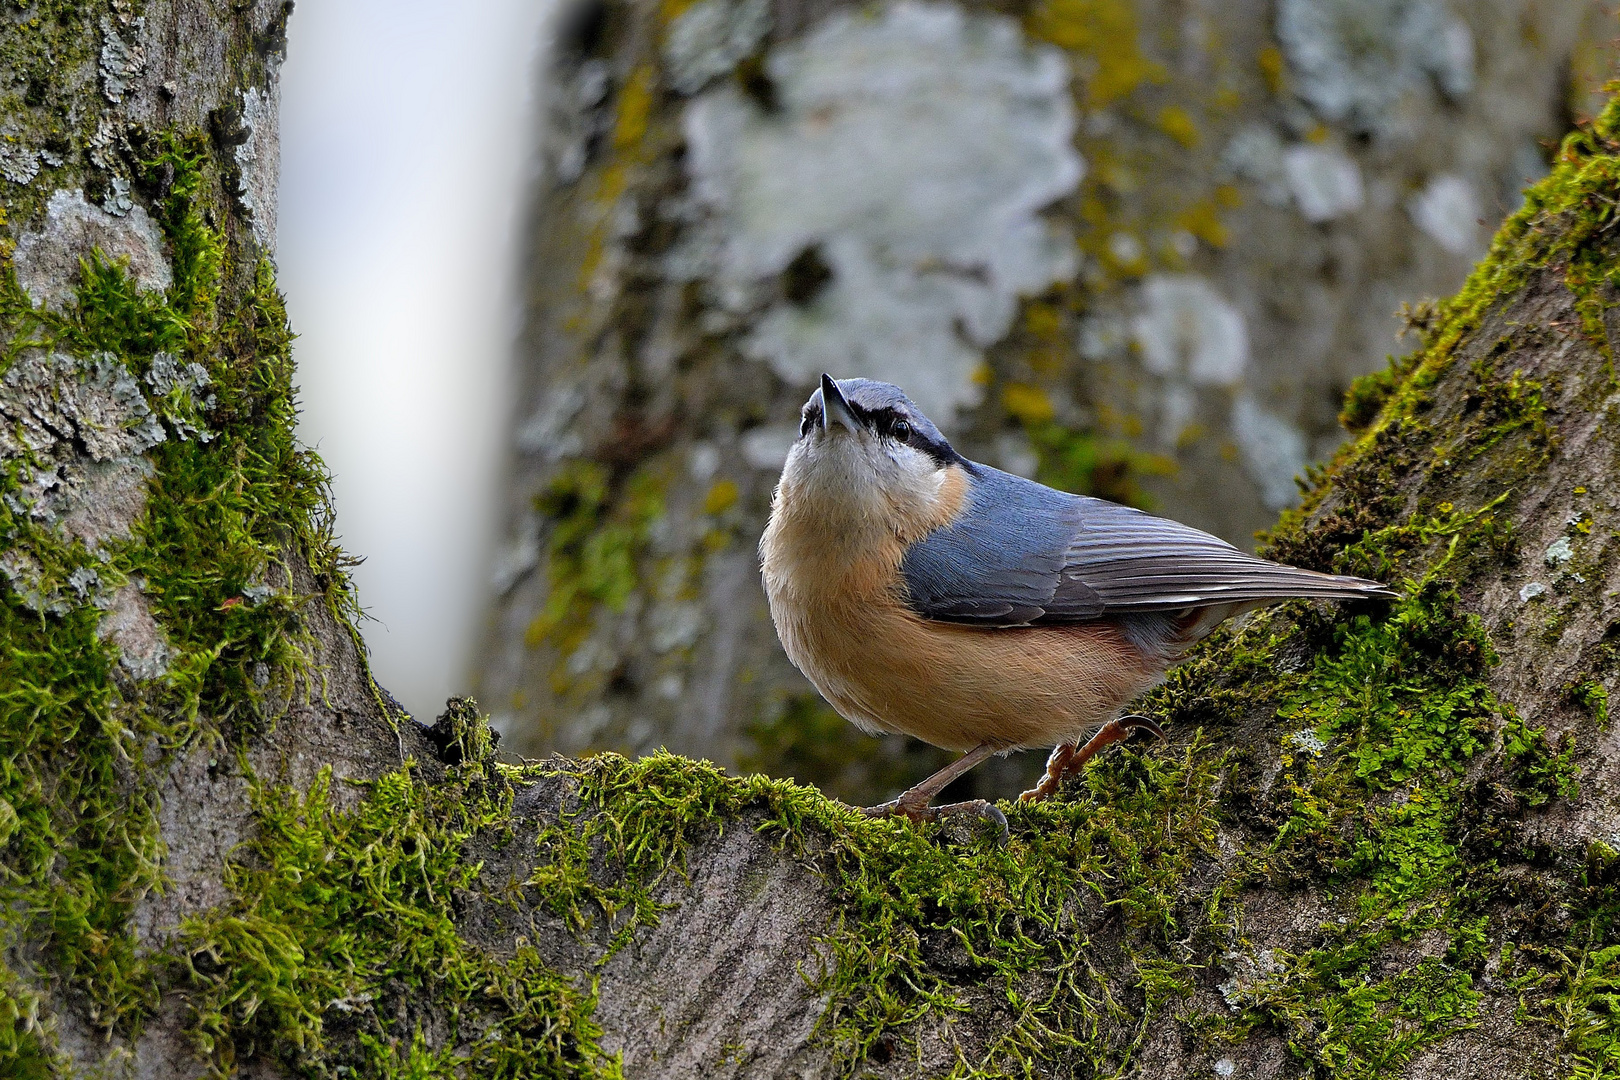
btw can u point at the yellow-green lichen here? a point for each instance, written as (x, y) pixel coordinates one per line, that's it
(1106, 33)
(597, 538)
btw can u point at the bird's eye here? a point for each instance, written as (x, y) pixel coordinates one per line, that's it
(901, 430)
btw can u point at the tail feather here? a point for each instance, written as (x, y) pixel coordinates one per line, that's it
(1169, 632)
(1200, 585)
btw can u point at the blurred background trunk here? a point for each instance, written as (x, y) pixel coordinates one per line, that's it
(1133, 248)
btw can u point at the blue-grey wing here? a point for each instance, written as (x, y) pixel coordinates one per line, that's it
(1021, 553)
(1001, 562)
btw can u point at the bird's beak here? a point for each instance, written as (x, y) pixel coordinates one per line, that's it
(834, 409)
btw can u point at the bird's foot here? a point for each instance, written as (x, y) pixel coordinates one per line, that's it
(1137, 722)
(915, 810)
(1066, 760)
(987, 812)
(897, 808)
(1057, 767)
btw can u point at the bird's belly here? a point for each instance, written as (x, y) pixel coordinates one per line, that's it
(958, 687)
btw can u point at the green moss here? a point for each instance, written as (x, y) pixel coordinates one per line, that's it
(341, 941)
(1594, 697)
(229, 492)
(23, 1046)
(1576, 991)
(1367, 394)
(1538, 774)
(1586, 1009)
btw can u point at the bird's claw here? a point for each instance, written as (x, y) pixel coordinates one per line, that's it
(1066, 760)
(894, 808)
(986, 811)
(1138, 722)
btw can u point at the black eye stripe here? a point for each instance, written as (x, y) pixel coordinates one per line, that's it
(886, 417)
(886, 421)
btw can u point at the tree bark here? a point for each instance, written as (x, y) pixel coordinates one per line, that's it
(1138, 249)
(1380, 841)
(176, 620)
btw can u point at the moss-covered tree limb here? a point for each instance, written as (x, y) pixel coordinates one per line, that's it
(1380, 842)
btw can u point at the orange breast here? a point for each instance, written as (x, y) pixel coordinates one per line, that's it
(838, 611)
(958, 687)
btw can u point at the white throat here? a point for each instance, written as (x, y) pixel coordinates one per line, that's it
(856, 485)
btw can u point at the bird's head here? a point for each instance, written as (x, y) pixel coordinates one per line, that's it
(867, 455)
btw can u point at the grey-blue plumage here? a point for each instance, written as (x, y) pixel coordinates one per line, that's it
(1023, 554)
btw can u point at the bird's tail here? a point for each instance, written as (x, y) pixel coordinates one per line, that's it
(1171, 632)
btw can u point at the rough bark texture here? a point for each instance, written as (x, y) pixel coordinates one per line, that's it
(1136, 248)
(175, 616)
(1380, 842)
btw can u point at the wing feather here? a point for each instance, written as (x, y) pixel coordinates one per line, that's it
(1022, 554)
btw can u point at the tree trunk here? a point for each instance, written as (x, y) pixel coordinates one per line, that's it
(1137, 249)
(1380, 841)
(176, 624)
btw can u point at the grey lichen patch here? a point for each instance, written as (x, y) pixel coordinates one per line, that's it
(1273, 449)
(256, 161)
(884, 216)
(19, 162)
(711, 37)
(1448, 211)
(1188, 331)
(1354, 60)
(143, 650)
(120, 61)
(181, 390)
(1255, 154)
(60, 411)
(1324, 181)
(47, 258)
(75, 435)
(1320, 178)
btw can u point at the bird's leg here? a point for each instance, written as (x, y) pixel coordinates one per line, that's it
(1057, 766)
(1066, 760)
(913, 802)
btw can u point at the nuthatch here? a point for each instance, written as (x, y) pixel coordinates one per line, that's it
(978, 611)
